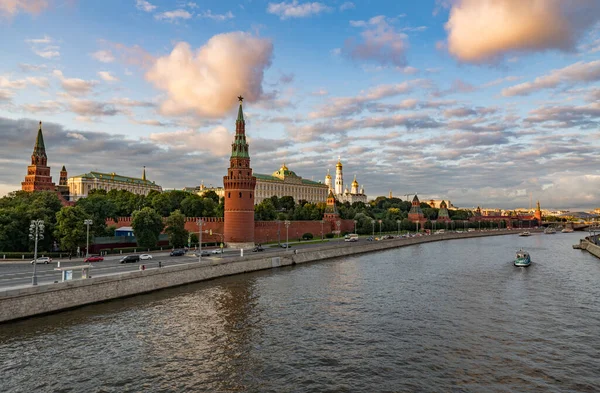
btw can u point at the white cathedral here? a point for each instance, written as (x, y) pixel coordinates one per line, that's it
(341, 194)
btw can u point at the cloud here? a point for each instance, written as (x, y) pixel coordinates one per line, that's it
(43, 107)
(107, 76)
(104, 56)
(13, 7)
(134, 55)
(217, 141)
(46, 51)
(173, 16)
(90, 108)
(31, 67)
(501, 80)
(347, 106)
(320, 92)
(40, 82)
(567, 116)
(580, 72)
(296, 10)
(467, 112)
(208, 80)
(482, 31)
(75, 86)
(145, 6)
(218, 17)
(380, 43)
(347, 6)
(7, 83)
(6, 95)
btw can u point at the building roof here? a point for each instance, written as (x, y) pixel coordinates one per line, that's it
(113, 176)
(260, 176)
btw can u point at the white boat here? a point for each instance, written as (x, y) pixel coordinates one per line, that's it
(567, 230)
(525, 233)
(549, 231)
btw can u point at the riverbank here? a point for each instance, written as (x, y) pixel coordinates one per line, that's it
(42, 299)
(587, 245)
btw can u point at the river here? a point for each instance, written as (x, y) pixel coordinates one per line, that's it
(452, 316)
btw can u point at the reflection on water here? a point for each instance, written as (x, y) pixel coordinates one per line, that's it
(449, 316)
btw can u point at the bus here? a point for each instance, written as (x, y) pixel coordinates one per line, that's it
(352, 237)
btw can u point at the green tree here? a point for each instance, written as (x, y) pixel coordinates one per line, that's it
(287, 203)
(193, 206)
(265, 211)
(100, 207)
(147, 225)
(70, 229)
(211, 195)
(178, 235)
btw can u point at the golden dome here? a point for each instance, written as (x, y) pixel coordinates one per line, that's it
(354, 183)
(283, 167)
(339, 163)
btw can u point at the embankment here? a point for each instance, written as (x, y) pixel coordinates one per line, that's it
(42, 299)
(590, 247)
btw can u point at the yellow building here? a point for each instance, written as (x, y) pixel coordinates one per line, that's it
(286, 183)
(80, 186)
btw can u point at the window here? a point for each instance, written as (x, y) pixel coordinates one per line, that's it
(250, 195)
(229, 195)
(240, 194)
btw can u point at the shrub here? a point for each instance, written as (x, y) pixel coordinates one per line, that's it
(329, 235)
(307, 236)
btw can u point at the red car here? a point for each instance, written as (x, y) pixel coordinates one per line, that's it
(93, 259)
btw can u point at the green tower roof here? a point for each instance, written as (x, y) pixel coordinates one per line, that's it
(39, 142)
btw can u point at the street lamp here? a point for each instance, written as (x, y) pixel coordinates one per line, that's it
(355, 222)
(36, 232)
(373, 222)
(380, 229)
(287, 231)
(200, 223)
(398, 222)
(87, 241)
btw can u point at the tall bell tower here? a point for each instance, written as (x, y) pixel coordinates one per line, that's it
(239, 187)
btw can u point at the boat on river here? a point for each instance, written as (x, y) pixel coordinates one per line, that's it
(525, 233)
(567, 230)
(522, 259)
(549, 231)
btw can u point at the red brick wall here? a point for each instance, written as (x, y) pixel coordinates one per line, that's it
(264, 231)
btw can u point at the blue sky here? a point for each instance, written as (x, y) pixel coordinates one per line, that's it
(482, 102)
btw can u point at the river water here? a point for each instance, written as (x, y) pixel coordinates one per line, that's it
(452, 316)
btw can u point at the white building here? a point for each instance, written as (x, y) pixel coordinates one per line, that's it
(343, 194)
(80, 186)
(286, 183)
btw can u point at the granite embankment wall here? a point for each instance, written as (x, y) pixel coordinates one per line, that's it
(42, 299)
(590, 247)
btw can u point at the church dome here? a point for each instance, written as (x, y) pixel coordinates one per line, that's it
(284, 172)
(339, 163)
(355, 183)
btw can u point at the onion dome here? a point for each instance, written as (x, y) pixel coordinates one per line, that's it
(355, 183)
(328, 176)
(339, 163)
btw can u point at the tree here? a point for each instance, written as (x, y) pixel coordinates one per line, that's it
(265, 211)
(100, 207)
(193, 206)
(178, 235)
(147, 225)
(287, 203)
(211, 195)
(70, 230)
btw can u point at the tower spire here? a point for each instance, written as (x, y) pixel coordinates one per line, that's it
(144, 174)
(40, 147)
(240, 117)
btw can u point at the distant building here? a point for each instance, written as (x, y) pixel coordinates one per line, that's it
(343, 194)
(80, 186)
(443, 214)
(416, 213)
(124, 231)
(220, 191)
(285, 182)
(436, 203)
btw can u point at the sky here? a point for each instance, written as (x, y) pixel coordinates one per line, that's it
(490, 103)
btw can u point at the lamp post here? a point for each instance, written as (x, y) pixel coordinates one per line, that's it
(200, 223)
(36, 232)
(287, 231)
(380, 229)
(322, 222)
(355, 222)
(398, 222)
(373, 222)
(87, 241)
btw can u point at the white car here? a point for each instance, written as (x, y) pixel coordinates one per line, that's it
(218, 251)
(145, 256)
(44, 260)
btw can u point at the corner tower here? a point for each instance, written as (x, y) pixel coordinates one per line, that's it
(538, 213)
(239, 187)
(38, 173)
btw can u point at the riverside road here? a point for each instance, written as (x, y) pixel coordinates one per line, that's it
(18, 273)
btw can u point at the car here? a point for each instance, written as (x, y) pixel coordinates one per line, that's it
(177, 253)
(257, 249)
(285, 245)
(217, 251)
(203, 253)
(370, 239)
(130, 259)
(44, 260)
(145, 256)
(94, 258)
